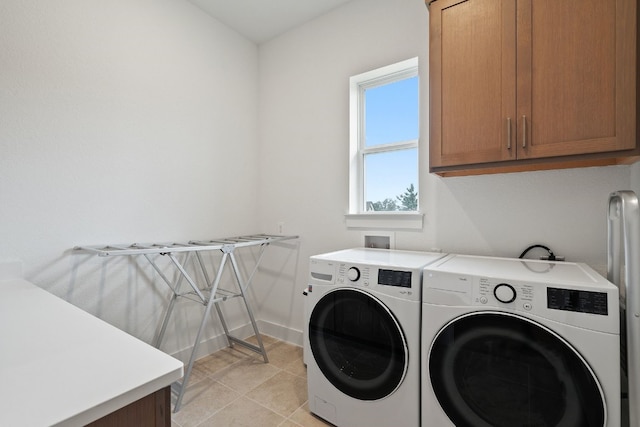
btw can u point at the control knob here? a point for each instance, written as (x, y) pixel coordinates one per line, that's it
(504, 293)
(353, 274)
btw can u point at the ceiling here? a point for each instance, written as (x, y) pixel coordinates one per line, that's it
(261, 20)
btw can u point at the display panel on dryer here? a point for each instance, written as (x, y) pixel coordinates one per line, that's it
(579, 301)
(397, 278)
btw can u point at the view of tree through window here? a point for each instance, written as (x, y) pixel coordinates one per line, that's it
(407, 201)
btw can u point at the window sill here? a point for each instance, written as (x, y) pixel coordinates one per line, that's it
(385, 220)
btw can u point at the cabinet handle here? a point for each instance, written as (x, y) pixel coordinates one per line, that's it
(524, 131)
(508, 133)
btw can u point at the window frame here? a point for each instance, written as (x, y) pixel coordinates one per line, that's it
(358, 216)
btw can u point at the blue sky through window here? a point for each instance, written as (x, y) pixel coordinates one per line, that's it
(391, 112)
(391, 115)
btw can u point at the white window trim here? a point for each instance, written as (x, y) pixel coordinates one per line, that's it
(356, 217)
(385, 220)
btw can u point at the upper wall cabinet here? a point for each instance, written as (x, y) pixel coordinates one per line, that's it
(532, 84)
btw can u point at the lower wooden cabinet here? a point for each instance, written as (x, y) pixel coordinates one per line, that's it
(153, 410)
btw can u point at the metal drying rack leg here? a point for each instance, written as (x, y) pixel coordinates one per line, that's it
(185, 381)
(260, 347)
(227, 254)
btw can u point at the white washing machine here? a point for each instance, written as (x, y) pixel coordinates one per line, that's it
(363, 336)
(512, 342)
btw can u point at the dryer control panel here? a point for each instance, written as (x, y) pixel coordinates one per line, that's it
(566, 292)
(578, 301)
(494, 292)
(522, 296)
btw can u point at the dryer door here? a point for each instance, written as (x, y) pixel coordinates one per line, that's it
(358, 344)
(501, 370)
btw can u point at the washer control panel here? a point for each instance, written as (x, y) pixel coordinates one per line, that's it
(353, 274)
(493, 292)
(392, 281)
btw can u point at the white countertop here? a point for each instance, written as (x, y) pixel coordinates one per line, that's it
(62, 366)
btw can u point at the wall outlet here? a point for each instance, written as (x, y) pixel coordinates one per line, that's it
(280, 227)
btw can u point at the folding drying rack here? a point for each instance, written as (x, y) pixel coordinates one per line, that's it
(209, 294)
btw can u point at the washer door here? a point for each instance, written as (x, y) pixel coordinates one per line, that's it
(501, 370)
(358, 344)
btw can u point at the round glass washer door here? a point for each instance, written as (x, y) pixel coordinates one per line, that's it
(492, 369)
(358, 344)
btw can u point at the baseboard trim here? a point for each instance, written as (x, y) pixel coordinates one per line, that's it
(219, 342)
(281, 332)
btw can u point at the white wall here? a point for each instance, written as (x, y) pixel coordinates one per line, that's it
(304, 144)
(121, 122)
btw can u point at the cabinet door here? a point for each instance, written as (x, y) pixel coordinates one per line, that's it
(576, 76)
(472, 81)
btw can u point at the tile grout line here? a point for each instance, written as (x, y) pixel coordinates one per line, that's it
(219, 410)
(296, 410)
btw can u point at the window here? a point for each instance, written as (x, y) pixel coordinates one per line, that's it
(384, 120)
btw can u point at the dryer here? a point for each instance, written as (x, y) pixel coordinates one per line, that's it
(362, 337)
(512, 342)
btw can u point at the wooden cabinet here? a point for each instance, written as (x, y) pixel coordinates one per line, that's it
(532, 84)
(154, 410)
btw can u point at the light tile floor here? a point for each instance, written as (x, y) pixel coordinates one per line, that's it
(234, 387)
